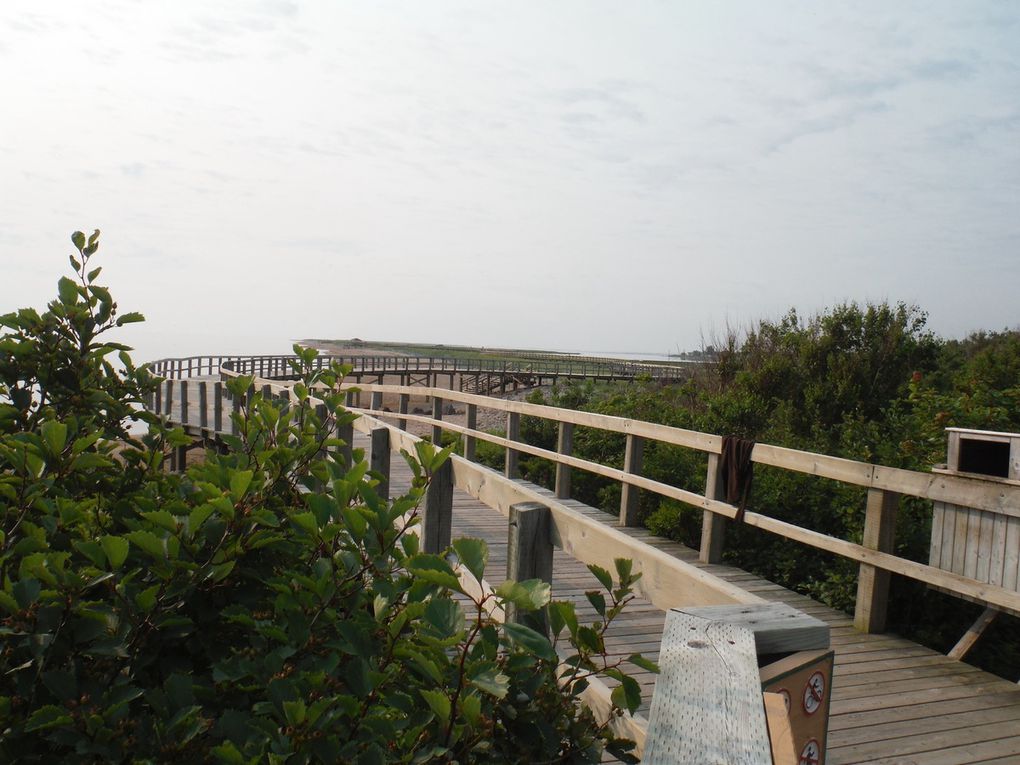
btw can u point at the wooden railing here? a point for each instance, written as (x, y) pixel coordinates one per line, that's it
(279, 366)
(884, 485)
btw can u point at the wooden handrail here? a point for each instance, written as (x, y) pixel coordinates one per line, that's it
(884, 485)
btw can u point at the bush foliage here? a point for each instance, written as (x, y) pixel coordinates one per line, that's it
(869, 383)
(267, 605)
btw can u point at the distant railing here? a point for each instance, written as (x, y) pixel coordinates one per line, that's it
(280, 366)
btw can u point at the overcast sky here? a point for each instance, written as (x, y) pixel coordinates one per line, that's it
(592, 176)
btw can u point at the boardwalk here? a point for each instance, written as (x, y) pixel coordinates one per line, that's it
(893, 701)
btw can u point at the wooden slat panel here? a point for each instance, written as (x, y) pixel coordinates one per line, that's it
(1011, 557)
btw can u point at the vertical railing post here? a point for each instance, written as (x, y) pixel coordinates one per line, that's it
(873, 583)
(470, 442)
(713, 525)
(346, 434)
(437, 414)
(203, 405)
(405, 398)
(529, 555)
(169, 402)
(217, 406)
(565, 446)
(513, 433)
(380, 461)
(376, 402)
(631, 495)
(157, 404)
(437, 518)
(235, 414)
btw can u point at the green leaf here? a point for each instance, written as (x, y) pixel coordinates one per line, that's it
(562, 613)
(130, 318)
(473, 554)
(534, 642)
(445, 615)
(146, 599)
(306, 522)
(471, 709)
(26, 591)
(435, 570)
(640, 661)
(91, 550)
(94, 273)
(228, 753)
(68, 291)
(116, 550)
(8, 603)
(492, 681)
(55, 435)
(604, 577)
(239, 483)
(78, 240)
(438, 703)
(598, 601)
(148, 542)
(627, 695)
(49, 716)
(294, 712)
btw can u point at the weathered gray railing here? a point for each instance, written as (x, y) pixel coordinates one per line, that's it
(279, 366)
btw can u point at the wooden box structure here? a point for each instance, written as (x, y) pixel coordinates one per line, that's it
(710, 703)
(979, 543)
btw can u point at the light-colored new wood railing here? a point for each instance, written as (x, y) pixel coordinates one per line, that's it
(885, 486)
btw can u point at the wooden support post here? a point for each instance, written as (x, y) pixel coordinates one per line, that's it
(169, 402)
(402, 409)
(380, 461)
(180, 459)
(529, 556)
(203, 405)
(320, 412)
(971, 636)
(157, 399)
(873, 583)
(437, 517)
(713, 526)
(564, 445)
(346, 453)
(349, 399)
(376, 403)
(235, 414)
(437, 414)
(630, 495)
(184, 401)
(513, 433)
(217, 406)
(470, 442)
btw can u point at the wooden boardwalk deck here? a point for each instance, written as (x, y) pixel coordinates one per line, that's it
(893, 701)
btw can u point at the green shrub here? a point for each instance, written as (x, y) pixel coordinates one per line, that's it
(265, 606)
